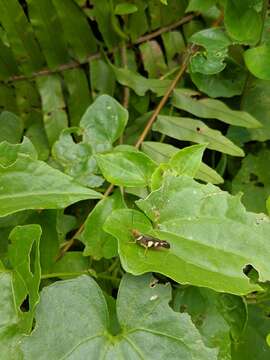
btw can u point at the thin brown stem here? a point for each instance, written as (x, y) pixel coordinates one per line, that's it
(98, 55)
(164, 99)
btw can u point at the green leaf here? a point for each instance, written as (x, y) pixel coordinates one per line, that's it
(174, 44)
(187, 129)
(161, 153)
(260, 90)
(206, 229)
(32, 184)
(102, 79)
(9, 152)
(98, 243)
(54, 115)
(139, 83)
(11, 127)
(253, 180)
(20, 36)
(153, 59)
(10, 332)
(188, 160)
(226, 312)
(72, 264)
(126, 168)
(200, 5)
(242, 21)
(141, 309)
(258, 61)
(211, 60)
(23, 253)
(212, 109)
(76, 159)
(252, 345)
(49, 31)
(125, 9)
(229, 82)
(77, 32)
(103, 123)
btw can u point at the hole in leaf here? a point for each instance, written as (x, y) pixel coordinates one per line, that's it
(25, 304)
(251, 273)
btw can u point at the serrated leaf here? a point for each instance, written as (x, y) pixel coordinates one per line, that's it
(212, 109)
(103, 123)
(32, 184)
(206, 229)
(257, 60)
(98, 243)
(23, 254)
(188, 129)
(161, 152)
(126, 168)
(141, 310)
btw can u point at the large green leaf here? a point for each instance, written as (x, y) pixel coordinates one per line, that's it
(252, 345)
(161, 153)
(23, 254)
(242, 20)
(10, 332)
(188, 129)
(258, 61)
(220, 318)
(103, 123)
(153, 59)
(97, 242)
(149, 327)
(126, 168)
(212, 109)
(206, 228)
(32, 184)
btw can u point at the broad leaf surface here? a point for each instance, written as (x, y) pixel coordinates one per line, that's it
(103, 123)
(126, 168)
(32, 184)
(206, 228)
(188, 129)
(258, 61)
(149, 327)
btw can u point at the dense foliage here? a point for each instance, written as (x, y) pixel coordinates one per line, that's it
(134, 180)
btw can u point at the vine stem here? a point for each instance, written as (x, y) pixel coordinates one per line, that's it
(186, 56)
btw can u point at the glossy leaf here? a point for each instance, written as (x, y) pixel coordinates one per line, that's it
(161, 153)
(23, 255)
(212, 109)
(103, 123)
(97, 242)
(88, 324)
(187, 129)
(32, 184)
(258, 61)
(126, 168)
